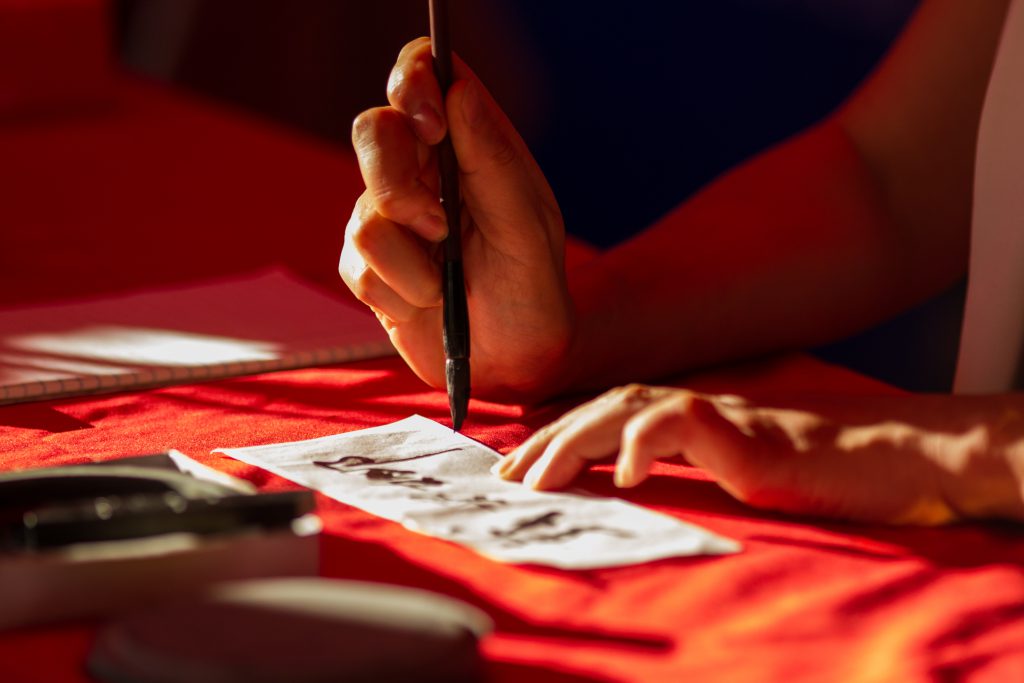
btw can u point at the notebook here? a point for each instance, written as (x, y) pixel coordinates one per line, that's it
(252, 323)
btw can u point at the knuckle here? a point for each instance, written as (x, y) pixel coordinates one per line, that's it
(362, 235)
(679, 403)
(414, 47)
(367, 287)
(390, 199)
(358, 276)
(355, 281)
(363, 211)
(343, 272)
(363, 125)
(635, 395)
(350, 261)
(643, 433)
(345, 263)
(616, 394)
(412, 65)
(635, 430)
(376, 129)
(731, 401)
(398, 84)
(409, 78)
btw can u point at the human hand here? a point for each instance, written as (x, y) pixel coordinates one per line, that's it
(912, 459)
(512, 232)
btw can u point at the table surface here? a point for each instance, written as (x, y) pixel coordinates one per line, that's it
(806, 600)
(162, 189)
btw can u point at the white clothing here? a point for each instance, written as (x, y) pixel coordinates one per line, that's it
(992, 338)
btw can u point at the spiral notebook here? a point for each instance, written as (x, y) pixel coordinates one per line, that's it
(253, 323)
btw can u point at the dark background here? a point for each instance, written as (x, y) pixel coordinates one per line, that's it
(628, 107)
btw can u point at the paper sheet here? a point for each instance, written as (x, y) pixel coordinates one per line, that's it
(241, 325)
(438, 482)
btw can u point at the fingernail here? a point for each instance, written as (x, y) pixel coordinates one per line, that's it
(532, 477)
(428, 124)
(472, 104)
(431, 227)
(623, 476)
(504, 466)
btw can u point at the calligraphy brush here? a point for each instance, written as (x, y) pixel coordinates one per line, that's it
(454, 310)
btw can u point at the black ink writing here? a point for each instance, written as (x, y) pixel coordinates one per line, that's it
(347, 463)
(406, 478)
(478, 502)
(549, 527)
(544, 529)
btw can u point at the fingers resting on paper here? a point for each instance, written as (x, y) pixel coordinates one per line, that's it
(637, 424)
(894, 460)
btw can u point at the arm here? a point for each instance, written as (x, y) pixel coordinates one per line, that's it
(828, 233)
(837, 229)
(888, 182)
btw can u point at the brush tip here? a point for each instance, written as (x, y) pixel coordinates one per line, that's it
(457, 377)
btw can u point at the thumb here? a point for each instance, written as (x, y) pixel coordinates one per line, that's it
(483, 137)
(500, 180)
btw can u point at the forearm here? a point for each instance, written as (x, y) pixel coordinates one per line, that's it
(910, 459)
(795, 248)
(979, 453)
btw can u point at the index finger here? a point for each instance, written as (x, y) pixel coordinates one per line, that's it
(414, 91)
(556, 453)
(390, 164)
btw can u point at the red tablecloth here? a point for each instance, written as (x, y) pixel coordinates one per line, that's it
(159, 188)
(805, 601)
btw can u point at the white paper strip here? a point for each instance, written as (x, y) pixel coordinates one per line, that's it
(438, 482)
(246, 324)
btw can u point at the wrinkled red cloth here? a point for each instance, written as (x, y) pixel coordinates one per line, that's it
(164, 189)
(805, 601)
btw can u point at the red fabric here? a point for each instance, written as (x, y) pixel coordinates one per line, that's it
(167, 189)
(55, 55)
(160, 189)
(805, 601)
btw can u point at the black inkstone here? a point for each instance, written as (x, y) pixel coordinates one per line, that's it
(296, 631)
